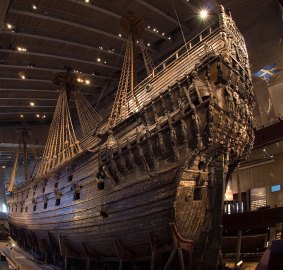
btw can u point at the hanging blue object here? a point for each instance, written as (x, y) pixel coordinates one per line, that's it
(267, 72)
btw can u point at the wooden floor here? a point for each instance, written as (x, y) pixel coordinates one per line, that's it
(18, 259)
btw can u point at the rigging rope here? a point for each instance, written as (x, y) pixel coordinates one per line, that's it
(180, 26)
(88, 117)
(61, 144)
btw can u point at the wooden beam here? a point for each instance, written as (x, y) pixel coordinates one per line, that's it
(55, 70)
(62, 21)
(159, 12)
(30, 80)
(60, 57)
(26, 90)
(3, 11)
(111, 14)
(62, 41)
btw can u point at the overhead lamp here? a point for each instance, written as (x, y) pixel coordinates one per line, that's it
(148, 44)
(98, 60)
(105, 62)
(87, 1)
(240, 263)
(22, 116)
(163, 34)
(44, 116)
(34, 7)
(21, 49)
(23, 76)
(31, 104)
(37, 115)
(203, 14)
(3, 167)
(79, 80)
(9, 26)
(87, 81)
(169, 38)
(120, 35)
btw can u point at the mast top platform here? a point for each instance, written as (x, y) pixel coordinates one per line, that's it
(132, 24)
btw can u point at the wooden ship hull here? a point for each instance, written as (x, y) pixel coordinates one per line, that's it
(155, 183)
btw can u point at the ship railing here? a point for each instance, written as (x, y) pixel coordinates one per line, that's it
(183, 50)
(181, 61)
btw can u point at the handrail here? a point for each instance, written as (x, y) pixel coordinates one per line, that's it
(176, 54)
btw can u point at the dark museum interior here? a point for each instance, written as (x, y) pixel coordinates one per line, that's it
(141, 134)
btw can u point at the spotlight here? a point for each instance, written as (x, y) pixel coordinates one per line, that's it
(203, 14)
(240, 263)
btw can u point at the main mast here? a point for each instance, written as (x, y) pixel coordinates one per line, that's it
(125, 101)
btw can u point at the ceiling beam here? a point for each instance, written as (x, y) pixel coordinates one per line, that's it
(25, 112)
(24, 90)
(159, 12)
(3, 11)
(27, 90)
(29, 98)
(62, 21)
(111, 14)
(56, 40)
(26, 80)
(60, 57)
(43, 81)
(55, 70)
(72, 24)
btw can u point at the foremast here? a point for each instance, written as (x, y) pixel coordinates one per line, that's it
(24, 134)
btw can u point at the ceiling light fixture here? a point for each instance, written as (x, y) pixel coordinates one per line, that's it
(203, 14)
(148, 44)
(44, 116)
(34, 7)
(20, 49)
(31, 104)
(9, 26)
(98, 60)
(37, 115)
(120, 35)
(3, 167)
(87, 81)
(87, 1)
(22, 116)
(23, 76)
